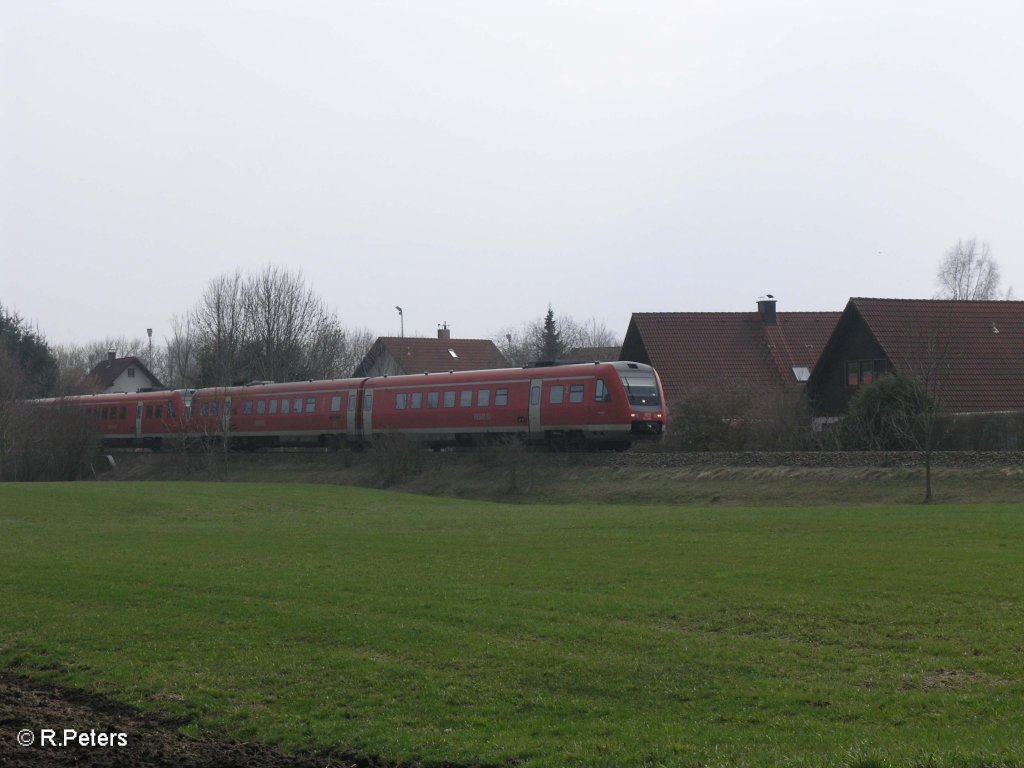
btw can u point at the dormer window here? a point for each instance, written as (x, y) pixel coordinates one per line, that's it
(131, 373)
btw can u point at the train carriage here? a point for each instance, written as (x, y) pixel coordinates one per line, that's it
(609, 404)
(138, 419)
(267, 414)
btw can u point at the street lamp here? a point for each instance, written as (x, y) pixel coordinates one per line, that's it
(401, 317)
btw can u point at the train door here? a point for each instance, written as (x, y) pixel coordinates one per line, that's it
(368, 414)
(352, 426)
(138, 422)
(536, 433)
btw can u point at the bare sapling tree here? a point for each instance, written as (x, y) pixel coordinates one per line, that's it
(181, 369)
(968, 272)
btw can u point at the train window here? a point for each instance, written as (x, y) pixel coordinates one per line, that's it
(311, 405)
(247, 408)
(204, 409)
(261, 407)
(602, 395)
(466, 398)
(105, 413)
(417, 399)
(336, 403)
(352, 405)
(641, 389)
(557, 394)
(449, 398)
(535, 394)
(576, 393)
(149, 411)
(433, 398)
(214, 409)
(158, 411)
(171, 411)
(297, 405)
(483, 398)
(501, 396)
(124, 412)
(286, 406)
(273, 407)
(401, 401)
(368, 402)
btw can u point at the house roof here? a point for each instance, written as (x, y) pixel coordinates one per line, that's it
(973, 350)
(420, 355)
(697, 349)
(590, 354)
(105, 372)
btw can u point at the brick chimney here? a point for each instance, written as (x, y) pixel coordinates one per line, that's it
(444, 332)
(766, 309)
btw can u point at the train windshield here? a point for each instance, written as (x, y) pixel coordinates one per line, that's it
(641, 389)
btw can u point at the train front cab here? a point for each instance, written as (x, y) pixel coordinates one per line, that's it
(646, 399)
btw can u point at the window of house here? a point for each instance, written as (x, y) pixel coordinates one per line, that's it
(576, 393)
(557, 394)
(864, 371)
(483, 398)
(131, 373)
(501, 396)
(449, 398)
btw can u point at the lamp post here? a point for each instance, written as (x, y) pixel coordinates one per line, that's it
(149, 332)
(401, 318)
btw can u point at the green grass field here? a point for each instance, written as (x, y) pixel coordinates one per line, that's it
(426, 630)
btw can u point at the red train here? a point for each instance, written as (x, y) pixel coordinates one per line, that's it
(586, 405)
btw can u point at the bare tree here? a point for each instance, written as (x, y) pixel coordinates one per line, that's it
(218, 323)
(969, 273)
(270, 325)
(290, 334)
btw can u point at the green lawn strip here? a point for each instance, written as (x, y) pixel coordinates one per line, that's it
(424, 630)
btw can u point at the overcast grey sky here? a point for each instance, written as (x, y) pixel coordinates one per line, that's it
(473, 161)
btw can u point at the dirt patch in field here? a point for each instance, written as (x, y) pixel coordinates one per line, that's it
(29, 710)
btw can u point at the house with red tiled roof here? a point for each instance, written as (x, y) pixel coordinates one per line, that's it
(970, 354)
(695, 351)
(392, 356)
(119, 374)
